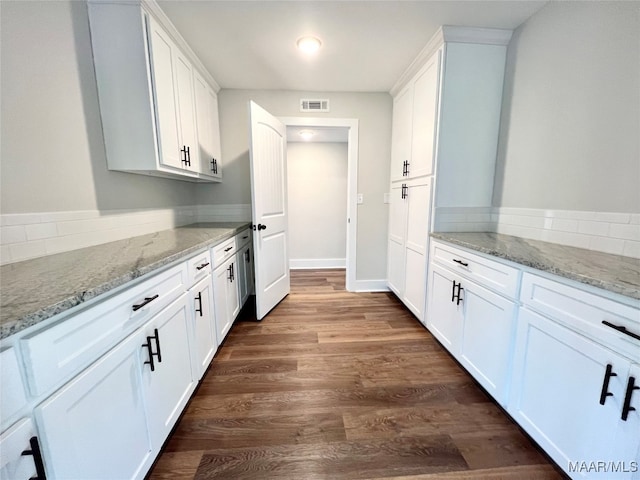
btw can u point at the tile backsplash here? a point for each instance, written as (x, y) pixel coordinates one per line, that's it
(31, 235)
(616, 233)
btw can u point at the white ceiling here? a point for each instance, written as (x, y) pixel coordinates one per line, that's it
(367, 45)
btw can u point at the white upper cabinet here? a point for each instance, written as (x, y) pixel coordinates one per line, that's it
(148, 78)
(208, 127)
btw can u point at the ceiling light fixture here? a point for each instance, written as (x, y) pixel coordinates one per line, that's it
(306, 134)
(309, 44)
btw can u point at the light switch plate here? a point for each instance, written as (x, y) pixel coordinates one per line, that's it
(360, 199)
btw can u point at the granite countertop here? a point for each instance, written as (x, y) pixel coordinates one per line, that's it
(35, 290)
(614, 273)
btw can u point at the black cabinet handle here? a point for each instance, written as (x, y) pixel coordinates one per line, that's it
(158, 354)
(202, 266)
(245, 237)
(231, 275)
(247, 256)
(461, 262)
(214, 166)
(456, 296)
(189, 156)
(227, 249)
(627, 398)
(605, 384)
(146, 301)
(621, 329)
(405, 168)
(403, 193)
(186, 159)
(199, 299)
(37, 458)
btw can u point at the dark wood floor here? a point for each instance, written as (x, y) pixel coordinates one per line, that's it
(338, 385)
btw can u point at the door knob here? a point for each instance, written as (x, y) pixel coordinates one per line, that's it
(261, 227)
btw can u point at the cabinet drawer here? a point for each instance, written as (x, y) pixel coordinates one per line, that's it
(584, 312)
(498, 277)
(14, 465)
(12, 395)
(243, 238)
(55, 354)
(223, 251)
(199, 267)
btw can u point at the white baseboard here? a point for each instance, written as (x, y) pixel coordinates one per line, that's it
(371, 286)
(316, 263)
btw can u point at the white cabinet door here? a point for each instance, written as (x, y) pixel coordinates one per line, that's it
(225, 294)
(401, 130)
(14, 464)
(204, 325)
(96, 425)
(208, 128)
(187, 111)
(626, 448)
(418, 205)
(167, 378)
(245, 273)
(397, 232)
(425, 113)
(163, 67)
(558, 379)
(444, 318)
(488, 332)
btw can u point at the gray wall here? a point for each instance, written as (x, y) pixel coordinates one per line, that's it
(52, 149)
(373, 110)
(570, 130)
(317, 180)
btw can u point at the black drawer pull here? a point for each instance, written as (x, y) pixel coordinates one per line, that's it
(245, 237)
(37, 458)
(627, 398)
(605, 384)
(147, 300)
(621, 329)
(461, 262)
(202, 266)
(227, 249)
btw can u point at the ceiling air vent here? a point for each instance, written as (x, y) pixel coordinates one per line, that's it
(314, 105)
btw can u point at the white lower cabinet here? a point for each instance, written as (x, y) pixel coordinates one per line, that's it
(408, 242)
(167, 378)
(475, 325)
(226, 296)
(245, 272)
(20, 457)
(569, 394)
(96, 425)
(204, 326)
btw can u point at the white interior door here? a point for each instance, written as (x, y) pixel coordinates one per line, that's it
(267, 149)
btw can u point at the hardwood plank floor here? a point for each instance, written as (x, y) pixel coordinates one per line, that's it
(339, 385)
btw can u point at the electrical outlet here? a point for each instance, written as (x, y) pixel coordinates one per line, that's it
(360, 199)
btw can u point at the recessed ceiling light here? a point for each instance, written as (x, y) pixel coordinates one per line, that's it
(306, 134)
(309, 44)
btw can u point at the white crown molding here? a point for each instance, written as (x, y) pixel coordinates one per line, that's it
(451, 34)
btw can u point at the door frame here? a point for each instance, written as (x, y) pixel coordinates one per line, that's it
(352, 182)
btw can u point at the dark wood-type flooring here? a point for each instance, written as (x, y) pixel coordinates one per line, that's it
(339, 385)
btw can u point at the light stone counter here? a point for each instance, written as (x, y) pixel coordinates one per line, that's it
(610, 272)
(35, 290)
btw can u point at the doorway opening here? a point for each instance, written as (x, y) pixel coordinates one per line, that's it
(335, 218)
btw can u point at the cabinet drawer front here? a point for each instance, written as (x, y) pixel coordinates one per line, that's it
(243, 238)
(14, 465)
(584, 312)
(55, 354)
(496, 276)
(223, 251)
(199, 267)
(12, 395)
